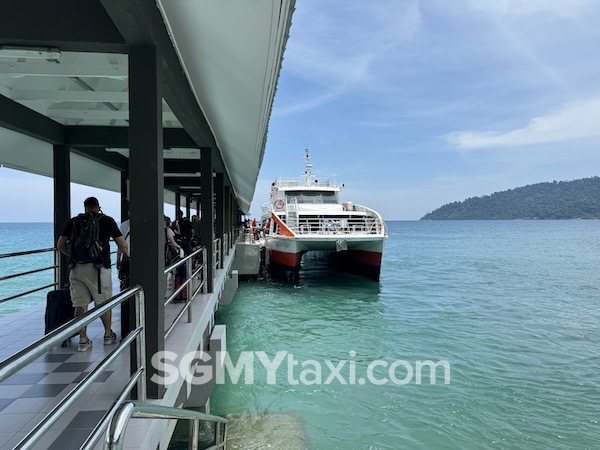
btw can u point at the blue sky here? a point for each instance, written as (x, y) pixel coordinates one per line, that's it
(414, 104)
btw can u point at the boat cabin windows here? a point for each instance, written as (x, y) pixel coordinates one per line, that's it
(312, 196)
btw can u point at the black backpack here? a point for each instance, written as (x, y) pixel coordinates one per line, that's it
(86, 247)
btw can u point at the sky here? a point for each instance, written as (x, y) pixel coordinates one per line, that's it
(414, 104)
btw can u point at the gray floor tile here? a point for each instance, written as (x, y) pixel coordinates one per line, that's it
(24, 378)
(86, 420)
(70, 440)
(14, 422)
(26, 405)
(73, 367)
(59, 378)
(4, 402)
(13, 391)
(56, 357)
(101, 378)
(44, 390)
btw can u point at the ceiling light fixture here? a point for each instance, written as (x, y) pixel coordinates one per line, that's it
(7, 51)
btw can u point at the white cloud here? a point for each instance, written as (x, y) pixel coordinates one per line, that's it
(574, 121)
(565, 9)
(337, 48)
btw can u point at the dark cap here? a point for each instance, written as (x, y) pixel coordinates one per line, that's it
(91, 202)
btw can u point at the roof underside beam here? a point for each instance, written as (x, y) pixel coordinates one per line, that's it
(69, 25)
(21, 119)
(140, 23)
(183, 181)
(118, 137)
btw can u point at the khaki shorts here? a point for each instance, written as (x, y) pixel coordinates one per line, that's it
(84, 285)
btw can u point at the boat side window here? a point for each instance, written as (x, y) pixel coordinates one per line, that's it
(312, 196)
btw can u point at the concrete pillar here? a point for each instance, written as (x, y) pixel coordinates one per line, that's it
(147, 197)
(62, 204)
(207, 212)
(219, 212)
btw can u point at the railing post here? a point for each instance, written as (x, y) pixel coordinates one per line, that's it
(194, 434)
(204, 271)
(188, 268)
(140, 322)
(217, 434)
(221, 253)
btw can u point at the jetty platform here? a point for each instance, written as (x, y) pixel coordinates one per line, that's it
(165, 103)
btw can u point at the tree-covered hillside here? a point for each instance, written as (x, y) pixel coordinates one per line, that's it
(577, 199)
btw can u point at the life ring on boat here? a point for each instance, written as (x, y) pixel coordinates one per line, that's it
(279, 204)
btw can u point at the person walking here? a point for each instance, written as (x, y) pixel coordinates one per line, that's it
(85, 240)
(122, 260)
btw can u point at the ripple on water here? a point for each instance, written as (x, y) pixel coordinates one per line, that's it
(512, 306)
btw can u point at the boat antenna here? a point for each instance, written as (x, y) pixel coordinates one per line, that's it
(308, 175)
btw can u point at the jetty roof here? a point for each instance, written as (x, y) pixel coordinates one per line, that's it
(64, 81)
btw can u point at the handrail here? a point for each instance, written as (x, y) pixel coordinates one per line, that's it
(115, 434)
(29, 272)
(27, 252)
(217, 254)
(16, 362)
(187, 283)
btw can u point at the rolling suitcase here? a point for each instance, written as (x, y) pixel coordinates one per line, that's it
(182, 296)
(59, 310)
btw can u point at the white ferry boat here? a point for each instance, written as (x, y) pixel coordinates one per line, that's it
(306, 215)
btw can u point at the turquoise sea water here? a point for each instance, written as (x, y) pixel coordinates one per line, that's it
(512, 306)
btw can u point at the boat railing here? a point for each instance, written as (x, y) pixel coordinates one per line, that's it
(30, 354)
(115, 435)
(295, 182)
(346, 226)
(195, 268)
(370, 223)
(18, 275)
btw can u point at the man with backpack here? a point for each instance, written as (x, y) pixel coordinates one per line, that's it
(85, 240)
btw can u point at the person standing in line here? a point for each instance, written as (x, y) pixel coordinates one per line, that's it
(187, 233)
(87, 281)
(122, 260)
(196, 227)
(177, 222)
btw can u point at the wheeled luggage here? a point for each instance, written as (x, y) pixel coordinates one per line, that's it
(182, 296)
(59, 310)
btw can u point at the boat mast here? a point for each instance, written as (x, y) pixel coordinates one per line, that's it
(308, 175)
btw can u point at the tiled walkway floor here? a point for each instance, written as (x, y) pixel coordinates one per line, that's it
(27, 396)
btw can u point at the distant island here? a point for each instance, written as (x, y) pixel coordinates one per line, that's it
(576, 199)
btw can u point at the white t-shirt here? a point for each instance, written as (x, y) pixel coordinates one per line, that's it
(125, 230)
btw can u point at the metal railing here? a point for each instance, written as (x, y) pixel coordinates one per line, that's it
(349, 226)
(370, 222)
(54, 267)
(292, 182)
(115, 435)
(191, 274)
(217, 254)
(13, 364)
(225, 244)
(244, 235)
